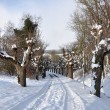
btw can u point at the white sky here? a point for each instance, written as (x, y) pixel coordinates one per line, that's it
(55, 17)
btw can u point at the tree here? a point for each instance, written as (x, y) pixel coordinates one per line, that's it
(94, 22)
(26, 42)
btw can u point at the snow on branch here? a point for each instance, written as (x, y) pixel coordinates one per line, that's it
(100, 32)
(34, 64)
(96, 26)
(92, 33)
(29, 41)
(14, 46)
(95, 65)
(93, 59)
(29, 50)
(96, 29)
(5, 55)
(24, 58)
(25, 55)
(97, 48)
(103, 42)
(108, 47)
(36, 49)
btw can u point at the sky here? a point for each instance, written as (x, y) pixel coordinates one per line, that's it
(55, 16)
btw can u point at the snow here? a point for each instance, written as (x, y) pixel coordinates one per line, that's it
(14, 46)
(24, 56)
(106, 85)
(95, 65)
(52, 93)
(93, 59)
(100, 31)
(96, 26)
(34, 64)
(4, 54)
(36, 49)
(91, 101)
(108, 47)
(29, 41)
(2, 32)
(92, 33)
(70, 63)
(103, 42)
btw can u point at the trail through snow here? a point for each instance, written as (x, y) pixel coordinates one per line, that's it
(55, 92)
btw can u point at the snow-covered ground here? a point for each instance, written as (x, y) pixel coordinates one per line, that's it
(55, 92)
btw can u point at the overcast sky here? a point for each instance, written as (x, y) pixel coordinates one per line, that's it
(55, 17)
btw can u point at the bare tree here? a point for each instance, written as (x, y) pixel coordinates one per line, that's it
(93, 13)
(26, 43)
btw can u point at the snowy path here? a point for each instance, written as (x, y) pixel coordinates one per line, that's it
(48, 94)
(73, 100)
(34, 99)
(55, 98)
(52, 93)
(60, 97)
(15, 97)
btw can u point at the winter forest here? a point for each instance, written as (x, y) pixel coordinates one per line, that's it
(74, 77)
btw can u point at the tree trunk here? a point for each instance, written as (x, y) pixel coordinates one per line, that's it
(98, 81)
(21, 71)
(59, 70)
(18, 79)
(37, 73)
(70, 71)
(62, 70)
(23, 77)
(56, 70)
(67, 69)
(98, 71)
(44, 72)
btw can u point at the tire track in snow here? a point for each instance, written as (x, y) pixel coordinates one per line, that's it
(77, 103)
(73, 99)
(28, 102)
(55, 97)
(69, 101)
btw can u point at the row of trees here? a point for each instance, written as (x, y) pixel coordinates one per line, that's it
(91, 23)
(92, 26)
